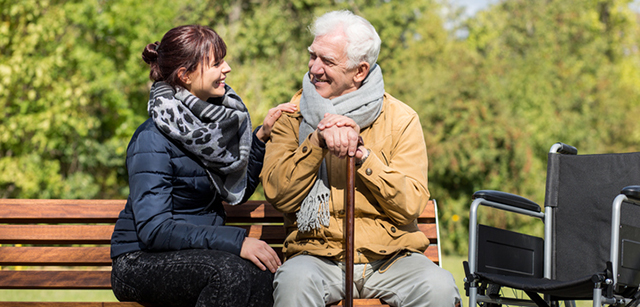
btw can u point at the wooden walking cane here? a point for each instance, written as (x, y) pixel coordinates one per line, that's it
(349, 218)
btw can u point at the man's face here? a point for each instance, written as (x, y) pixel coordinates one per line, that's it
(328, 66)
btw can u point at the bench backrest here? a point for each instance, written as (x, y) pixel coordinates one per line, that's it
(64, 244)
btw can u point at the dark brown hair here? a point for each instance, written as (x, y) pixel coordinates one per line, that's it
(183, 46)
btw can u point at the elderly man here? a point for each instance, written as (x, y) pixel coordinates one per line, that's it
(304, 176)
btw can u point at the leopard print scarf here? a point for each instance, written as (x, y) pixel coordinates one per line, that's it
(217, 132)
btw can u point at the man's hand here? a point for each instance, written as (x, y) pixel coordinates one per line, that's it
(330, 120)
(340, 135)
(340, 141)
(260, 253)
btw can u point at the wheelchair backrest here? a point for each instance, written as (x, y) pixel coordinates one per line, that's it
(580, 190)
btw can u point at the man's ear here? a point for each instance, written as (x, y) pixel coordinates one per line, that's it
(362, 72)
(184, 76)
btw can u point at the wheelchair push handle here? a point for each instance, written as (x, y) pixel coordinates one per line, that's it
(563, 148)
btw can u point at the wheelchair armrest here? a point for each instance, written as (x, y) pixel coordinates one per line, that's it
(479, 234)
(632, 191)
(508, 199)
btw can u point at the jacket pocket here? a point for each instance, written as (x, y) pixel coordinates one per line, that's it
(385, 157)
(391, 229)
(406, 236)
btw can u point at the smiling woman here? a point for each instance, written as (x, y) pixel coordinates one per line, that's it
(170, 245)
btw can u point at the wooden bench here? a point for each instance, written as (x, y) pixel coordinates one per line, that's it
(64, 244)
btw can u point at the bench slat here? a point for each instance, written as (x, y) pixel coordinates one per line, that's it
(88, 256)
(56, 234)
(357, 302)
(55, 279)
(69, 304)
(59, 210)
(101, 234)
(106, 211)
(364, 302)
(252, 210)
(432, 253)
(431, 231)
(59, 256)
(272, 234)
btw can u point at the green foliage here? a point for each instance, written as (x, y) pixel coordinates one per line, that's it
(72, 92)
(73, 86)
(530, 73)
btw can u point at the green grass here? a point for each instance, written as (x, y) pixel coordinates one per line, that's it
(452, 263)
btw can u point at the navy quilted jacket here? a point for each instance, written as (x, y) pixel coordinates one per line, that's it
(171, 203)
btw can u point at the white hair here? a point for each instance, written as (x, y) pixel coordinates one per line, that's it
(363, 42)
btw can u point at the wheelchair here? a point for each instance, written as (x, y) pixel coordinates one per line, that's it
(591, 244)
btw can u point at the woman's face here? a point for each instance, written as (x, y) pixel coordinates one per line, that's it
(208, 79)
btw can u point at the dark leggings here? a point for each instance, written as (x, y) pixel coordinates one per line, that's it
(190, 278)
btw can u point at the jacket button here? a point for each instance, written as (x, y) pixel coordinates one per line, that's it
(383, 251)
(321, 241)
(341, 212)
(393, 229)
(305, 253)
(304, 149)
(369, 172)
(328, 254)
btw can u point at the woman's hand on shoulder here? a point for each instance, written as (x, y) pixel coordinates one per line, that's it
(260, 253)
(272, 116)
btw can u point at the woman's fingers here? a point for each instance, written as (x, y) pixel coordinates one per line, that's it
(260, 253)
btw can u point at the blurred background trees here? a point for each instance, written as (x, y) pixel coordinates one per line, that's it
(494, 91)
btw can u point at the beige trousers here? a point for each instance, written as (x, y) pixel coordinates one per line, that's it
(405, 280)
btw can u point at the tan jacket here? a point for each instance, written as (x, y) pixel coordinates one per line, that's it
(391, 186)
